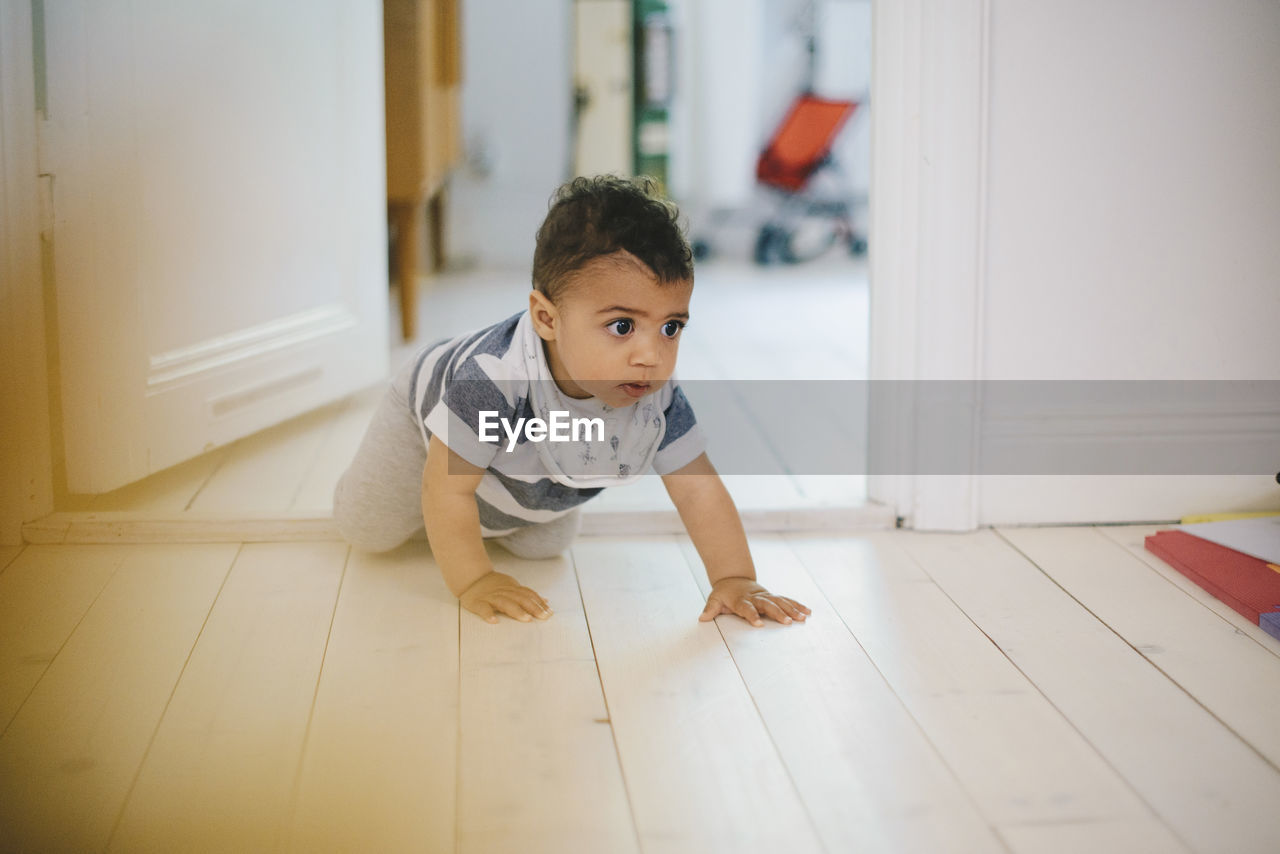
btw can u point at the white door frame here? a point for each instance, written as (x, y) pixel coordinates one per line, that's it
(928, 236)
(26, 459)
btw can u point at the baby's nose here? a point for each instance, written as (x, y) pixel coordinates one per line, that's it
(644, 353)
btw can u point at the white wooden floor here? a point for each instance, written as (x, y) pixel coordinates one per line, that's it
(1030, 690)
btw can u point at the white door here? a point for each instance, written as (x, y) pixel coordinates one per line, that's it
(219, 236)
(602, 77)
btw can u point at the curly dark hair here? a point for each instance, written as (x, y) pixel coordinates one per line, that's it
(591, 217)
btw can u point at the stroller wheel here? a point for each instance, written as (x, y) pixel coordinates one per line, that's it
(770, 245)
(701, 250)
(810, 239)
(858, 246)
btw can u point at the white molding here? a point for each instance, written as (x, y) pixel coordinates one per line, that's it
(928, 235)
(1230, 442)
(89, 528)
(141, 527)
(180, 365)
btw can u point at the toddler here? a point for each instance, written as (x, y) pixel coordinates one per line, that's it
(473, 437)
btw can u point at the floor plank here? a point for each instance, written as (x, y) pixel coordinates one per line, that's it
(867, 773)
(1093, 837)
(1014, 753)
(264, 472)
(1210, 787)
(380, 762)
(7, 556)
(946, 690)
(1132, 538)
(221, 770)
(701, 770)
(70, 755)
(1227, 672)
(539, 770)
(43, 596)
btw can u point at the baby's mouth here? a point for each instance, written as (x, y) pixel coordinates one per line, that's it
(636, 390)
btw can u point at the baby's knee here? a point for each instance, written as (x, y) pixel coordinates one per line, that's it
(531, 548)
(363, 531)
(367, 538)
(538, 542)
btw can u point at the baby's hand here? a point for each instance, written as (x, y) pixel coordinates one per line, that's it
(496, 593)
(749, 600)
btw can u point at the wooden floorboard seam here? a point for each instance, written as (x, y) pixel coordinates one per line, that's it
(105, 584)
(1138, 651)
(205, 481)
(15, 553)
(311, 713)
(457, 753)
(604, 696)
(1274, 649)
(142, 760)
(1039, 689)
(1189, 588)
(941, 757)
(782, 759)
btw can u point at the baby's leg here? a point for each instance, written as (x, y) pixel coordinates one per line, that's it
(546, 540)
(377, 504)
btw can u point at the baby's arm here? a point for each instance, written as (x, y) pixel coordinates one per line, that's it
(453, 527)
(712, 521)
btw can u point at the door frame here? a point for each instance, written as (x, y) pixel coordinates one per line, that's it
(26, 454)
(930, 61)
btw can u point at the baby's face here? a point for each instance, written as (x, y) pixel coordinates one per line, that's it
(615, 333)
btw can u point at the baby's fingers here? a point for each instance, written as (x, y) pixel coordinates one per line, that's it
(798, 606)
(792, 608)
(481, 609)
(775, 609)
(746, 609)
(521, 606)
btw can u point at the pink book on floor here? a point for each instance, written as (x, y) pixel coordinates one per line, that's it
(1245, 583)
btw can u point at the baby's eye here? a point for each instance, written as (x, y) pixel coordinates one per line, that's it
(621, 327)
(672, 328)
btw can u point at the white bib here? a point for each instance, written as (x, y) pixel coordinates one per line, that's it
(631, 434)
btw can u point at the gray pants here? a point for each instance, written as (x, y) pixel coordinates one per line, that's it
(377, 503)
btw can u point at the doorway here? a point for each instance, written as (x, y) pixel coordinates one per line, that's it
(697, 90)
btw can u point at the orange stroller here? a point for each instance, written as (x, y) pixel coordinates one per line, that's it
(805, 225)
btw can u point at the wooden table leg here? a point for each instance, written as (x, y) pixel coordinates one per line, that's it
(408, 220)
(435, 220)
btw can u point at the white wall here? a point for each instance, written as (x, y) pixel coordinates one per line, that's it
(1078, 191)
(1134, 190)
(1133, 213)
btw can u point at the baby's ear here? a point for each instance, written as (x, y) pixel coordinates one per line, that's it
(544, 315)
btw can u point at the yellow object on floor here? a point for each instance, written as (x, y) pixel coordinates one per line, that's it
(1223, 517)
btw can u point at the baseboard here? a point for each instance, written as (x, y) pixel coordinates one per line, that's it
(1118, 499)
(125, 527)
(1151, 451)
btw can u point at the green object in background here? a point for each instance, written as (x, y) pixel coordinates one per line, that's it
(654, 83)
